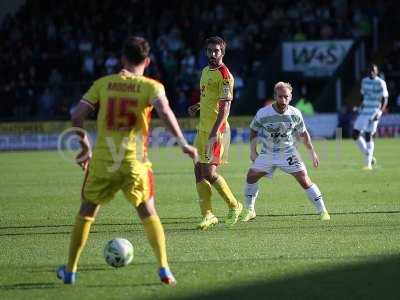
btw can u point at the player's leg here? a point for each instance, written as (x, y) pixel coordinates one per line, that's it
(96, 191)
(369, 134)
(204, 191)
(360, 126)
(313, 193)
(209, 172)
(359, 139)
(139, 190)
(156, 236)
(370, 151)
(264, 165)
(251, 193)
(203, 186)
(80, 233)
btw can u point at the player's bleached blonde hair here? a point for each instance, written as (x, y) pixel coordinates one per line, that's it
(281, 85)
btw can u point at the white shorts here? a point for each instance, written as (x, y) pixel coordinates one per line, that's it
(288, 162)
(363, 124)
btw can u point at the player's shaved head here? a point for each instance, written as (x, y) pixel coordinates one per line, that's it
(216, 40)
(136, 49)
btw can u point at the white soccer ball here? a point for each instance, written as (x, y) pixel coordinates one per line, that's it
(118, 252)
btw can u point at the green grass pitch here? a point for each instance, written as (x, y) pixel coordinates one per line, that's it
(286, 253)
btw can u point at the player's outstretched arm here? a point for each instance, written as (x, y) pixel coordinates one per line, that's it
(165, 113)
(78, 116)
(307, 143)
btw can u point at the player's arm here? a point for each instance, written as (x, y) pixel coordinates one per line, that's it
(78, 116)
(384, 102)
(166, 114)
(224, 107)
(305, 136)
(385, 96)
(253, 145)
(255, 126)
(358, 109)
(379, 113)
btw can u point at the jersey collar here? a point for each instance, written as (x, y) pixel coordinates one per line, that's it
(213, 69)
(126, 73)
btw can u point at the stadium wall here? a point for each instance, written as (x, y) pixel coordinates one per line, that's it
(52, 135)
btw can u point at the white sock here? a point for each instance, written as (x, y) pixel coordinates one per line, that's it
(250, 194)
(315, 196)
(370, 152)
(362, 144)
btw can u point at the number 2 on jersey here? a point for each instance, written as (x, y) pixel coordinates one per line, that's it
(120, 113)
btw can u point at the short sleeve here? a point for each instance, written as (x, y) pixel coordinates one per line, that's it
(225, 89)
(385, 92)
(157, 90)
(255, 123)
(362, 87)
(300, 127)
(92, 96)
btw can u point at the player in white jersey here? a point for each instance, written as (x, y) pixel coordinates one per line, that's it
(277, 127)
(375, 98)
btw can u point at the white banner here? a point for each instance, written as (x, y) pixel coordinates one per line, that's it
(319, 126)
(314, 58)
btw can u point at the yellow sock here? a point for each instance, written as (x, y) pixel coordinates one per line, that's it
(223, 189)
(79, 237)
(155, 234)
(204, 191)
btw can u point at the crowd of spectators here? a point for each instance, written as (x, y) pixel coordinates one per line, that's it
(52, 50)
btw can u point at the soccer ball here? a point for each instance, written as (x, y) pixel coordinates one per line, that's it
(118, 252)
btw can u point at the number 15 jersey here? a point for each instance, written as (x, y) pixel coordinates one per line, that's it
(125, 105)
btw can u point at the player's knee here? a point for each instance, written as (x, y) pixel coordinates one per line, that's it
(197, 173)
(89, 209)
(306, 184)
(209, 173)
(211, 176)
(368, 137)
(146, 209)
(303, 179)
(355, 134)
(252, 177)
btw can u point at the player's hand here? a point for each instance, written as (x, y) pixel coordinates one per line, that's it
(83, 157)
(315, 159)
(191, 151)
(253, 155)
(192, 110)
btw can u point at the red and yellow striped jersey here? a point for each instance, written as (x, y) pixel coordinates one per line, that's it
(125, 105)
(215, 85)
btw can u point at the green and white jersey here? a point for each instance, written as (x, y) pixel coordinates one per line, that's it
(372, 90)
(277, 132)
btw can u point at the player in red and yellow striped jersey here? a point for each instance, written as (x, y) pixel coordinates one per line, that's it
(119, 160)
(212, 140)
